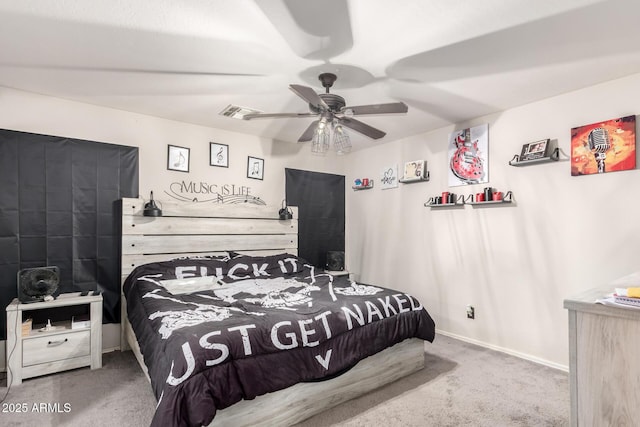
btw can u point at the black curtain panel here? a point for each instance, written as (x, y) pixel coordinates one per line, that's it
(320, 199)
(59, 207)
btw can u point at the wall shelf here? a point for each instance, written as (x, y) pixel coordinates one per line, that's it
(363, 187)
(459, 201)
(442, 205)
(491, 202)
(507, 198)
(554, 157)
(468, 200)
(411, 181)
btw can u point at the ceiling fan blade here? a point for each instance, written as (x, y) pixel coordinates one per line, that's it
(176, 72)
(277, 115)
(308, 134)
(309, 95)
(363, 128)
(313, 30)
(390, 108)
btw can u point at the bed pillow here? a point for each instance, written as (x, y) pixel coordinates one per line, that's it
(190, 285)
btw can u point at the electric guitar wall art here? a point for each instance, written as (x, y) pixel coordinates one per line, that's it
(467, 156)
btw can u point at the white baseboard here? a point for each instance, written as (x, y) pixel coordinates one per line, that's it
(506, 350)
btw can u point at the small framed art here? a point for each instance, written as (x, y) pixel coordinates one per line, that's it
(414, 170)
(178, 158)
(255, 168)
(219, 155)
(535, 150)
(389, 177)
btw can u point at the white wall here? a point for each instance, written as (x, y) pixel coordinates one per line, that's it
(515, 263)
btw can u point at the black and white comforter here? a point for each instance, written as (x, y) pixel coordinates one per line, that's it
(214, 331)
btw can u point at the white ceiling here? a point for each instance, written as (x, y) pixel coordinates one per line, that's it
(448, 60)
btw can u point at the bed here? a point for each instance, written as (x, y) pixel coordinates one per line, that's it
(231, 327)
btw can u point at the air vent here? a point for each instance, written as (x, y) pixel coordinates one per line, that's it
(236, 112)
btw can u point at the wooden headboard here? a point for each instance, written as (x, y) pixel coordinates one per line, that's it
(190, 229)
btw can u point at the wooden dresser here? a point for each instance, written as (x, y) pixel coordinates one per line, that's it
(604, 358)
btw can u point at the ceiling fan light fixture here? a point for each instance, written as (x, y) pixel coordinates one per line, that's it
(333, 112)
(320, 142)
(321, 138)
(341, 140)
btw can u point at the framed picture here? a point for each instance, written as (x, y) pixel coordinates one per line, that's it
(535, 150)
(469, 156)
(389, 177)
(255, 168)
(414, 170)
(219, 155)
(606, 146)
(178, 158)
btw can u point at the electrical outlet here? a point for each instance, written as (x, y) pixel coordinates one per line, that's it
(471, 312)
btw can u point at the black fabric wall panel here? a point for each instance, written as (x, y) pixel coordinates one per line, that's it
(58, 206)
(321, 225)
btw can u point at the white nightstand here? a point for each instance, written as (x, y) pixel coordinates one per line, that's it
(46, 352)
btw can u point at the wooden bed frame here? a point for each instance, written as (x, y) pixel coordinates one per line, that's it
(188, 229)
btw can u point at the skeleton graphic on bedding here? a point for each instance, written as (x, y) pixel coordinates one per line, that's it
(172, 320)
(270, 293)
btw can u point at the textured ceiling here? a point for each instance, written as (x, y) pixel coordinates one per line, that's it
(448, 60)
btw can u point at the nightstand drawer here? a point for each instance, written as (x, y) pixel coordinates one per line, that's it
(55, 347)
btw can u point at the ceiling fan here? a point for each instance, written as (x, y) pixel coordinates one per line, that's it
(332, 111)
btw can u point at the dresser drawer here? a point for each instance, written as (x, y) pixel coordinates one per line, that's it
(55, 347)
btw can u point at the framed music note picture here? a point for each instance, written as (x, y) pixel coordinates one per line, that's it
(178, 158)
(255, 168)
(219, 155)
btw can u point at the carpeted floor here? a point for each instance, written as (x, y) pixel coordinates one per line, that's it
(462, 385)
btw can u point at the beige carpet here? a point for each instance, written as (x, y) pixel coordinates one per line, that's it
(462, 385)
